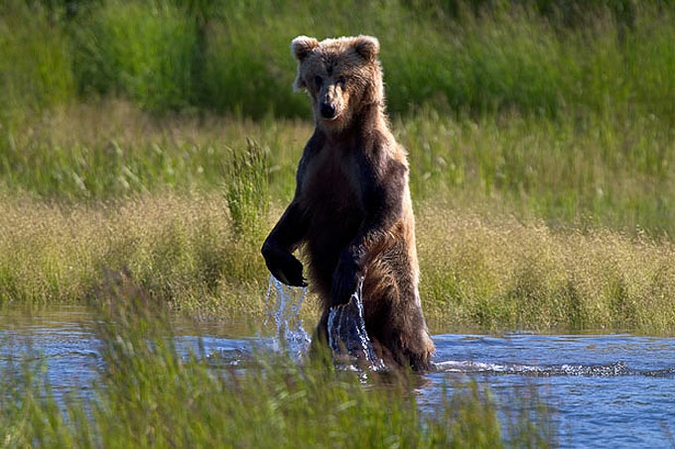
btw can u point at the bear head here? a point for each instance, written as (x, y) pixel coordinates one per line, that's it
(342, 76)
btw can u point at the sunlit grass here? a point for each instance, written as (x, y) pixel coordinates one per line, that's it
(181, 249)
(493, 270)
(480, 268)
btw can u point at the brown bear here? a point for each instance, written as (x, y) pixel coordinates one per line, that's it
(352, 209)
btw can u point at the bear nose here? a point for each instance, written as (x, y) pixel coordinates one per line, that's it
(327, 110)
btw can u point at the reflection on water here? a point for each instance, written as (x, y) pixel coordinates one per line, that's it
(607, 370)
(605, 390)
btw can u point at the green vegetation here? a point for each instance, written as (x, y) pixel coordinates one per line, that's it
(228, 56)
(546, 58)
(563, 110)
(479, 268)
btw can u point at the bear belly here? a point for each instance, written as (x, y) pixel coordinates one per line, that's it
(332, 228)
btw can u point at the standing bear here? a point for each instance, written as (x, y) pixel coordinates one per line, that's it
(352, 210)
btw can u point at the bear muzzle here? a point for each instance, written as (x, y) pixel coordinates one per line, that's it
(328, 111)
(330, 102)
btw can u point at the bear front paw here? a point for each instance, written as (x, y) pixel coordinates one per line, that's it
(345, 282)
(284, 266)
(290, 273)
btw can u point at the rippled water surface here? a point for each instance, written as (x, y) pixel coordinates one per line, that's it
(604, 390)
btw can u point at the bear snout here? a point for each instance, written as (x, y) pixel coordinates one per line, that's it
(328, 111)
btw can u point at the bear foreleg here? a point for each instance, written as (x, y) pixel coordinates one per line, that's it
(280, 244)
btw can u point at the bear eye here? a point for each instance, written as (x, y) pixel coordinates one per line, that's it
(318, 81)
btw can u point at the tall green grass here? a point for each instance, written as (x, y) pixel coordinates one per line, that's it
(149, 394)
(248, 192)
(569, 120)
(538, 58)
(142, 50)
(35, 64)
(110, 150)
(570, 172)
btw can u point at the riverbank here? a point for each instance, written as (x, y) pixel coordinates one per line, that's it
(480, 268)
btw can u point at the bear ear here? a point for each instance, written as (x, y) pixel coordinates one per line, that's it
(301, 46)
(367, 46)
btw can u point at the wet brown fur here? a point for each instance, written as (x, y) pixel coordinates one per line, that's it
(352, 209)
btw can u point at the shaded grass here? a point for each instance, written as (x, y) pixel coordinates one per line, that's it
(149, 394)
(141, 50)
(35, 64)
(547, 59)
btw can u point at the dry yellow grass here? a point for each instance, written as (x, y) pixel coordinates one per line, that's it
(497, 271)
(180, 248)
(479, 269)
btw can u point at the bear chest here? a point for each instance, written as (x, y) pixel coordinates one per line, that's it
(330, 187)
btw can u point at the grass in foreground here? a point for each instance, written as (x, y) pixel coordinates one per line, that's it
(149, 395)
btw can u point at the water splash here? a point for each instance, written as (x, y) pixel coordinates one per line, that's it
(347, 336)
(284, 309)
(614, 369)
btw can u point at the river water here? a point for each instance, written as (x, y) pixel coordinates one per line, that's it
(605, 390)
